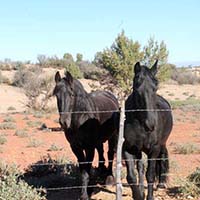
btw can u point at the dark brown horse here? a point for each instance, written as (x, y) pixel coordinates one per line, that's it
(146, 130)
(86, 125)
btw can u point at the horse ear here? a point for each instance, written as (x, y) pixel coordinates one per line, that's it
(154, 68)
(137, 67)
(69, 77)
(57, 77)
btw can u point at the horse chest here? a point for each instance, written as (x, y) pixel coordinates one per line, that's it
(136, 136)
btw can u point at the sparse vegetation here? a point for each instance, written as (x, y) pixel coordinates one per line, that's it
(183, 76)
(9, 119)
(34, 143)
(13, 188)
(34, 123)
(21, 133)
(183, 103)
(36, 87)
(187, 148)
(11, 108)
(38, 115)
(3, 140)
(7, 125)
(191, 185)
(55, 147)
(4, 79)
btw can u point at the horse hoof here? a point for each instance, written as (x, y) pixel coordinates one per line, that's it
(110, 180)
(161, 186)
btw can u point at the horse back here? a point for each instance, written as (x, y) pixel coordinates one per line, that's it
(104, 101)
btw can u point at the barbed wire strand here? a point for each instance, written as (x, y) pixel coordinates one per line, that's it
(100, 185)
(115, 111)
(104, 111)
(90, 162)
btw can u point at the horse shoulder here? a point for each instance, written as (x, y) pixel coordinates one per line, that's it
(162, 103)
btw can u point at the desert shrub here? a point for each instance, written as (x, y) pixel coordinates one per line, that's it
(37, 88)
(74, 70)
(53, 62)
(7, 125)
(11, 108)
(188, 148)
(21, 133)
(183, 76)
(33, 124)
(4, 79)
(191, 185)
(9, 119)
(3, 140)
(13, 188)
(34, 143)
(90, 70)
(21, 76)
(38, 115)
(5, 66)
(55, 147)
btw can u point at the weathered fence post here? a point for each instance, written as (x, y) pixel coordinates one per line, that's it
(119, 153)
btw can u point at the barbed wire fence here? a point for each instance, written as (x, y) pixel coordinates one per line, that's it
(119, 185)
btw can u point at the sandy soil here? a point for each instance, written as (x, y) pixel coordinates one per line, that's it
(17, 149)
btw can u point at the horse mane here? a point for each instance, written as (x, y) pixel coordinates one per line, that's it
(79, 89)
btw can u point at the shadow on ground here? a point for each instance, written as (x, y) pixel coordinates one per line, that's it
(57, 179)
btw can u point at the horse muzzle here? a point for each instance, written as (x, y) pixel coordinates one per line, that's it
(64, 122)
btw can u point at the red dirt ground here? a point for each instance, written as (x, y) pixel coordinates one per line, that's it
(186, 130)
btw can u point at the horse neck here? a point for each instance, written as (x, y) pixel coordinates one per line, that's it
(83, 101)
(83, 105)
(146, 106)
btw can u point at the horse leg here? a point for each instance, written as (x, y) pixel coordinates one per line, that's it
(131, 176)
(163, 167)
(111, 151)
(100, 150)
(89, 158)
(151, 171)
(140, 169)
(84, 171)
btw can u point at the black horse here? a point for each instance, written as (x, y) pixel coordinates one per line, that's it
(147, 127)
(86, 126)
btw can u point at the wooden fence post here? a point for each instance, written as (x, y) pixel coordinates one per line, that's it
(119, 153)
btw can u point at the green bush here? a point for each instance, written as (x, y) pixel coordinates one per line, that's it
(74, 70)
(13, 188)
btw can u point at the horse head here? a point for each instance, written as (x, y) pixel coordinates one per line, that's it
(64, 92)
(145, 87)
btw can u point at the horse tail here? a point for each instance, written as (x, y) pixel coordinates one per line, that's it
(162, 166)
